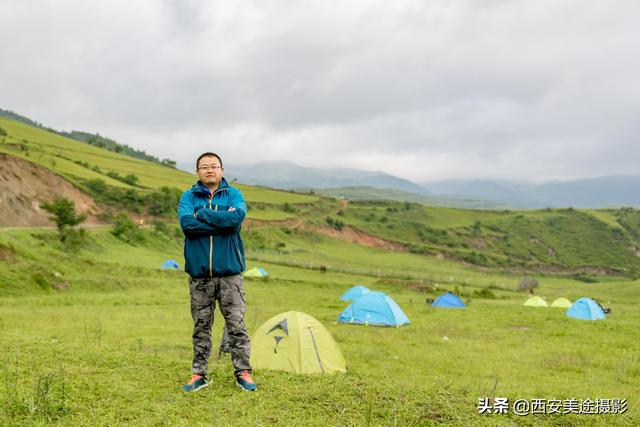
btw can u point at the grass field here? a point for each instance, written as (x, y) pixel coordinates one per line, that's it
(94, 333)
(102, 336)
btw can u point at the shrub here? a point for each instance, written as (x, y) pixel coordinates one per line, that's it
(477, 228)
(131, 179)
(160, 227)
(163, 202)
(335, 223)
(585, 279)
(475, 258)
(125, 230)
(288, 208)
(42, 281)
(484, 293)
(64, 215)
(253, 240)
(285, 230)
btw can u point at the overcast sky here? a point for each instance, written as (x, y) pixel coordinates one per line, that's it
(426, 90)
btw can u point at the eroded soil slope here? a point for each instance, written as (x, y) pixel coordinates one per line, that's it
(25, 186)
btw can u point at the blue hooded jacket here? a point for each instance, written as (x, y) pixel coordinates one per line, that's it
(212, 243)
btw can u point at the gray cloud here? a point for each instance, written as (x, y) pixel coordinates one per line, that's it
(424, 90)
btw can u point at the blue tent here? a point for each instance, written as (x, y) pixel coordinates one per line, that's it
(448, 300)
(585, 309)
(374, 308)
(170, 264)
(354, 293)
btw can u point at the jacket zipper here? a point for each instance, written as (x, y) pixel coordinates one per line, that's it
(210, 245)
(211, 237)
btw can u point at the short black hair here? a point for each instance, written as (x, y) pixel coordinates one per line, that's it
(207, 155)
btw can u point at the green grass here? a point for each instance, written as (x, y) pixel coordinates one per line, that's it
(543, 240)
(108, 342)
(608, 216)
(52, 151)
(58, 153)
(563, 241)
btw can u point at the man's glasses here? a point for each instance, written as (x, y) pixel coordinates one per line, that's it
(210, 167)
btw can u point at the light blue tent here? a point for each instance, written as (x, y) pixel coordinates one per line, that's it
(585, 309)
(448, 300)
(374, 308)
(354, 293)
(170, 264)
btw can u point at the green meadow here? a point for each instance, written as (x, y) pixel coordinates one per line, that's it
(93, 332)
(99, 335)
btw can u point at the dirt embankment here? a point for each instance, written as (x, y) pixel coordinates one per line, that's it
(356, 236)
(25, 187)
(346, 233)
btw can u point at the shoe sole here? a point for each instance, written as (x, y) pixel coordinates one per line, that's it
(196, 389)
(244, 389)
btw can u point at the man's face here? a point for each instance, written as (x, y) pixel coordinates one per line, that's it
(209, 170)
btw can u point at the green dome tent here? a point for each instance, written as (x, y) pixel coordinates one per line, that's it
(561, 303)
(296, 342)
(536, 302)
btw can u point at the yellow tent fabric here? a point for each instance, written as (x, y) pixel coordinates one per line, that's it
(561, 303)
(296, 342)
(536, 302)
(253, 272)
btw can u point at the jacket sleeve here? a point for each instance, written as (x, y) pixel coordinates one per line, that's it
(191, 227)
(225, 220)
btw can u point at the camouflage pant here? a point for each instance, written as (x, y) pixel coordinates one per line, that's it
(229, 292)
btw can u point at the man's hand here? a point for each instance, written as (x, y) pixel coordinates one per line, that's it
(231, 209)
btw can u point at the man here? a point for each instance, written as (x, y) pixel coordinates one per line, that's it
(211, 215)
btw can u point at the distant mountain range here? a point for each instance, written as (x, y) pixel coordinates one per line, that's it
(610, 191)
(372, 194)
(287, 175)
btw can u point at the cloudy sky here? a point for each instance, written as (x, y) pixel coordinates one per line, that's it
(426, 90)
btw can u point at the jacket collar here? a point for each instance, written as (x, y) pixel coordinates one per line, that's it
(199, 187)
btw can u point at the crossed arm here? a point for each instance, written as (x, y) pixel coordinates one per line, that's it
(208, 222)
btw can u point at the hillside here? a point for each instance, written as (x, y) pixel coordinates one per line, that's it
(89, 138)
(374, 194)
(119, 181)
(553, 241)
